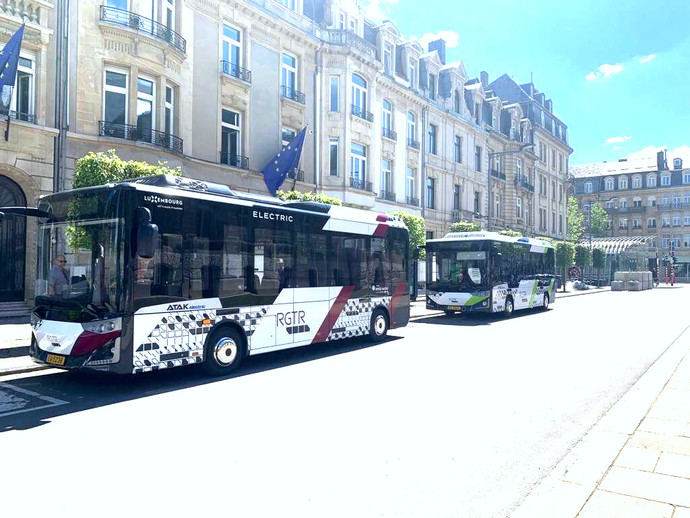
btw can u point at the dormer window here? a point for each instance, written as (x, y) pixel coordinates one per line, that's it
(341, 21)
(651, 180)
(637, 182)
(432, 87)
(456, 101)
(353, 26)
(665, 180)
(608, 184)
(588, 187)
(412, 73)
(387, 58)
(623, 182)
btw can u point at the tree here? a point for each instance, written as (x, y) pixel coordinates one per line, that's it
(565, 255)
(510, 232)
(105, 167)
(576, 221)
(308, 196)
(464, 226)
(598, 220)
(417, 229)
(583, 257)
(598, 261)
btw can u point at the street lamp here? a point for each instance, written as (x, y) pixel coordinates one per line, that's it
(491, 158)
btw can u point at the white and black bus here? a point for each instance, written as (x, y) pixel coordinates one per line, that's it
(489, 272)
(163, 271)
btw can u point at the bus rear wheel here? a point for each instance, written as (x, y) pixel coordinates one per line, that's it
(546, 302)
(379, 325)
(509, 308)
(225, 350)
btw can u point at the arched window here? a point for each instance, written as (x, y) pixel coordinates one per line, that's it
(637, 182)
(608, 184)
(359, 96)
(622, 182)
(651, 180)
(588, 187)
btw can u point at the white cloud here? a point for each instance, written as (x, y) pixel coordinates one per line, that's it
(650, 152)
(377, 10)
(604, 71)
(617, 140)
(452, 38)
(617, 148)
(647, 59)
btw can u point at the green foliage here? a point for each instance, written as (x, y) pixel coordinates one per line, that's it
(598, 258)
(576, 221)
(565, 254)
(583, 256)
(308, 196)
(464, 226)
(510, 232)
(417, 229)
(106, 167)
(598, 220)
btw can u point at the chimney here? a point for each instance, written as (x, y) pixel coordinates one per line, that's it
(549, 105)
(661, 163)
(440, 46)
(484, 77)
(677, 163)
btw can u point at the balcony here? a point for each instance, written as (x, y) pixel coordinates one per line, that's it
(414, 144)
(673, 206)
(410, 200)
(234, 70)
(359, 111)
(358, 183)
(626, 210)
(349, 39)
(524, 183)
(151, 136)
(296, 174)
(498, 174)
(389, 133)
(18, 116)
(289, 92)
(241, 162)
(387, 195)
(143, 25)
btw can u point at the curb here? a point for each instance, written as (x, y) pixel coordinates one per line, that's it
(584, 292)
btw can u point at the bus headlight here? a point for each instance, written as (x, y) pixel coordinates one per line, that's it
(102, 326)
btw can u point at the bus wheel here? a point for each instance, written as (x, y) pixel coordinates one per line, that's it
(224, 351)
(546, 302)
(379, 325)
(509, 308)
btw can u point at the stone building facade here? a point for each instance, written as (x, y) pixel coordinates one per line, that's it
(216, 87)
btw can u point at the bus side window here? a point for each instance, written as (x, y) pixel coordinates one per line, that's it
(379, 260)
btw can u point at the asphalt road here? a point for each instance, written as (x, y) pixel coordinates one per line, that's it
(449, 417)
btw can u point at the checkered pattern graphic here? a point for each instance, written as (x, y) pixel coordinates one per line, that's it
(178, 339)
(355, 318)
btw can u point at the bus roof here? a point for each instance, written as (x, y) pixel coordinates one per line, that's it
(343, 219)
(490, 236)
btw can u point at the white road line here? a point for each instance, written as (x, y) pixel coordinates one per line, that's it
(50, 401)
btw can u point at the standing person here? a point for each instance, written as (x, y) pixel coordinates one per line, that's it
(59, 277)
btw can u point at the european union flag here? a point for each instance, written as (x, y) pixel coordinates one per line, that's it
(9, 59)
(284, 162)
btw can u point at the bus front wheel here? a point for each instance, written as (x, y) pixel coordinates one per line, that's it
(225, 351)
(546, 302)
(509, 307)
(379, 325)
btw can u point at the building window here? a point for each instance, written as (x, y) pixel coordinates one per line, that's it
(412, 73)
(386, 178)
(333, 156)
(666, 221)
(477, 202)
(676, 201)
(430, 191)
(665, 180)
(410, 174)
(497, 206)
(636, 223)
(651, 222)
(686, 177)
(560, 163)
(665, 201)
(286, 136)
(543, 191)
(456, 197)
(387, 119)
(169, 110)
(518, 208)
(637, 182)
(429, 234)
(560, 223)
(146, 103)
(169, 13)
(358, 164)
(622, 182)
(115, 99)
(553, 190)
(609, 204)
(477, 158)
(588, 187)
(387, 58)
(411, 128)
(359, 95)
(231, 141)
(664, 242)
(341, 20)
(676, 221)
(553, 159)
(651, 180)
(686, 199)
(518, 169)
(290, 4)
(23, 100)
(651, 201)
(608, 184)
(335, 94)
(542, 220)
(686, 220)
(456, 101)
(288, 75)
(623, 203)
(232, 50)
(458, 149)
(623, 223)
(432, 139)
(637, 202)
(553, 222)
(432, 87)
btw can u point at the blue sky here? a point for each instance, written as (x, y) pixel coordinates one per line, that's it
(618, 72)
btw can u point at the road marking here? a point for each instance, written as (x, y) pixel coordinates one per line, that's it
(15, 400)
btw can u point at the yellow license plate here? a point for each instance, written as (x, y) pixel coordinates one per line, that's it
(55, 359)
(455, 308)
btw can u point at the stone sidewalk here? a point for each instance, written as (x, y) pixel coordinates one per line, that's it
(635, 462)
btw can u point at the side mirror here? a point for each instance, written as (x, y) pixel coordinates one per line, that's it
(147, 234)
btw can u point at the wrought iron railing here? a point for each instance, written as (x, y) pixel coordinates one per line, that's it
(18, 116)
(349, 39)
(524, 183)
(239, 161)
(234, 70)
(389, 133)
(387, 195)
(411, 200)
(498, 174)
(358, 183)
(142, 24)
(296, 174)
(672, 206)
(131, 132)
(294, 95)
(623, 210)
(414, 144)
(359, 111)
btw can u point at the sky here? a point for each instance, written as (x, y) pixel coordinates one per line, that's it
(618, 72)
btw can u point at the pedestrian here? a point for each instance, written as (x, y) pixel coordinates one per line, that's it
(59, 277)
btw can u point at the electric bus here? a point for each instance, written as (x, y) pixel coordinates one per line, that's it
(163, 271)
(489, 272)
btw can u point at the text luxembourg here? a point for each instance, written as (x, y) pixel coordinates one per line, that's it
(273, 216)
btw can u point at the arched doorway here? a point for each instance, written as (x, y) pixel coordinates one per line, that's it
(12, 242)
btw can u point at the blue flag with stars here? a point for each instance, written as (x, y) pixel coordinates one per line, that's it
(9, 59)
(284, 162)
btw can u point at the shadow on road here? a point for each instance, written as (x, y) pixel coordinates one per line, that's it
(477, 319)
(87, 390)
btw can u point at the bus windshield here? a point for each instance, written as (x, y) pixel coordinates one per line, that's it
(458, 266)
(80, 257)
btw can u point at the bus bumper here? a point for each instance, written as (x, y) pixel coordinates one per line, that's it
(480, 307)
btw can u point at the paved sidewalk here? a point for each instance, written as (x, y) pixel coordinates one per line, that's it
(635, 462)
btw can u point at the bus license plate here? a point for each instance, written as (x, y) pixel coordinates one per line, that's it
(55, 359)
(455, 308)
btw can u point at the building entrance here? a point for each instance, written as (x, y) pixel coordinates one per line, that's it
(12, 243)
